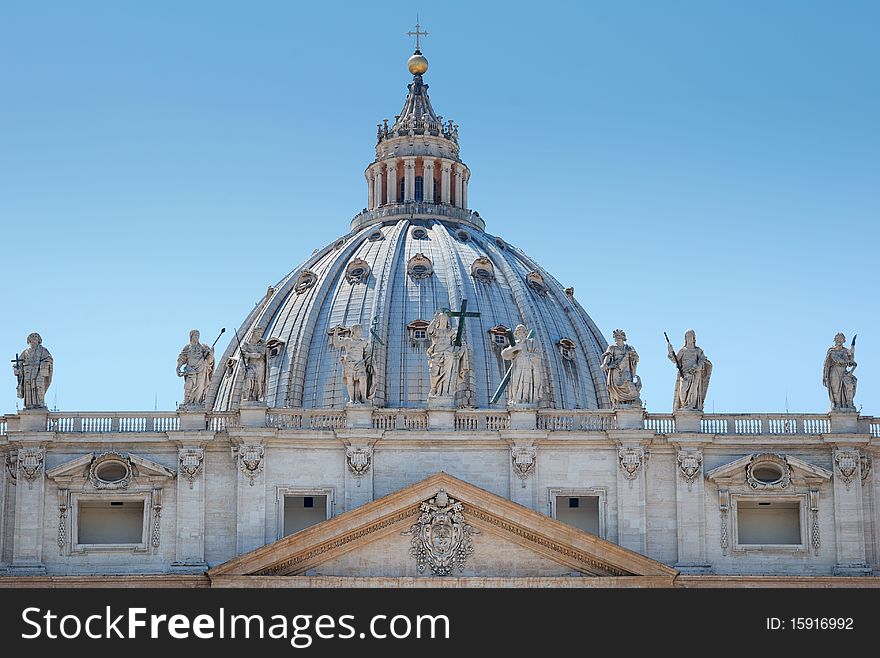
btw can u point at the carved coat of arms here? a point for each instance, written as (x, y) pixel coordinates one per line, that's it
(441, 540)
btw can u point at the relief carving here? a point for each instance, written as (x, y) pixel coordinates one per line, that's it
(441, 539)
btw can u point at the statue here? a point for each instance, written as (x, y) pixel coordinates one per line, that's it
(441, 355)
(356, 365)
(526, 386)
(253, 353)
(694, 371)
(619, 364)
(837, 375)
(33, 369)
(197, 362)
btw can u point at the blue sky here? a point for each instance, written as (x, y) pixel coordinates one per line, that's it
(713, 165)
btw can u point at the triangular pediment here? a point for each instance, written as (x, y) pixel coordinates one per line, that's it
(129, 466)
(738, 469)
(395, 535)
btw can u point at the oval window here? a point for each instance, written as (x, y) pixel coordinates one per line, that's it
(767, 473)
(112, 471)
(419, 234)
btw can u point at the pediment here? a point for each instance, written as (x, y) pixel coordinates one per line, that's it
(443, 526)
(794, 469)
(130, 467)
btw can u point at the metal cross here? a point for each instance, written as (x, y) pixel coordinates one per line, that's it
(507, 375)
(417, 33)
(461, 315)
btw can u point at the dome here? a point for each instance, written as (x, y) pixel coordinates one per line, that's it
(416, 249)
(391, 278)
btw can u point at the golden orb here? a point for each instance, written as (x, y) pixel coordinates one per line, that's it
(417, 64)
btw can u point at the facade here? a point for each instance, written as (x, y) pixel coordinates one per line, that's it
(422, 404)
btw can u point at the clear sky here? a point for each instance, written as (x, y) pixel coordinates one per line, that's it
(713, 165)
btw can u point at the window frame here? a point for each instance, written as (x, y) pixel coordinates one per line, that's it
(74, 546)
(803, 516)
(582, 492)
(282, 492)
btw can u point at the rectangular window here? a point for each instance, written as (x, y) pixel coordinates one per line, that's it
(300, 512)
(769, 522)
(582, 512)
(110, 522)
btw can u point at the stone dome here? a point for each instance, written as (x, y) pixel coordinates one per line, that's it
(414, 250)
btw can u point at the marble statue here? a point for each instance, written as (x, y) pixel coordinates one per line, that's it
(837, 375)
(254, 355)
(33, 369)
(441, 355)
(526, 387)
(195, 364)
(694, 371)
(355, 365)
(619, 364)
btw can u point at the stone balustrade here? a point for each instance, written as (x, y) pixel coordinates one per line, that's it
(418, 210)
(116, 422)
(577, 420)
(773, 424)
(468, 420)
(660, 423)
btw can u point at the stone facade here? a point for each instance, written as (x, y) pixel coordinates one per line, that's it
(654, 501)
(326, 461)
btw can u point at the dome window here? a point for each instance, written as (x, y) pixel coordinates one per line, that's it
(462, 235)
(339, 243)
(418, 233)
(536, 282)
(498, 336)
(501, 244)
(567, 348)
(305, 281)
(420, 267)
(358, 271)
(275, 347)
(375, 236)
(417, 330)
(483, 270)
(335, 333)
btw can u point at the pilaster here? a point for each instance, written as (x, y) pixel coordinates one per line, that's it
(409, 179)
(250, 499)
(428, 175)
(523, 464)
(358, 475)
(371, 188)
(27, 539)
(445, 181)
(632, 520)
(464, 188)
(5, 477)
(690, 498)
(378, 193)
(849, 531)
(392, 181)
(191, 477)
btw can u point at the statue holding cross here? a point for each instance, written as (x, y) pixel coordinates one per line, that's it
(447, 359)
(33, 370)
(525, 377)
